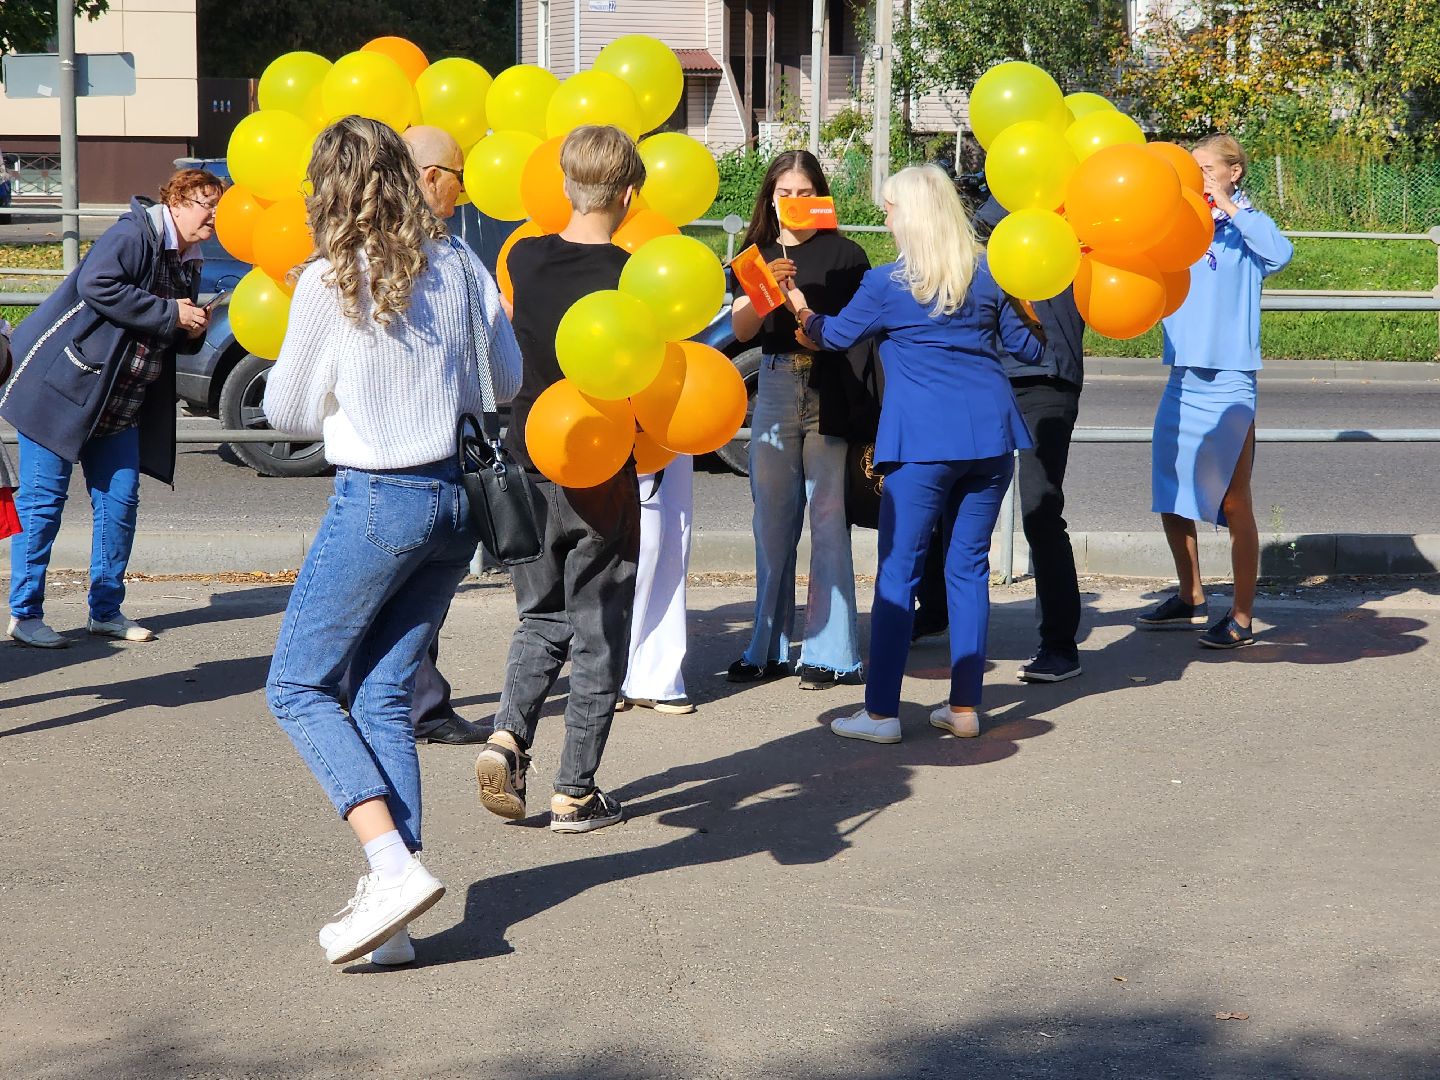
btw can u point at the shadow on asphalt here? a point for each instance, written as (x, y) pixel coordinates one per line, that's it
(1040, 1044)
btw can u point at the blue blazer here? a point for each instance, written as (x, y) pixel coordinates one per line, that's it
(946, 394)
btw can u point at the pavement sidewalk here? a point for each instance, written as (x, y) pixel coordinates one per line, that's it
(1082, 891)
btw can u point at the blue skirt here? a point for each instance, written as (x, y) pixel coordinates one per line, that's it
(1200, 430)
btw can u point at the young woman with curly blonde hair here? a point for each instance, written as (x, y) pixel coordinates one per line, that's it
(391, 333)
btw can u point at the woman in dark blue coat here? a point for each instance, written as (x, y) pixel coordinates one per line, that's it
(949, 427)
(94, 383)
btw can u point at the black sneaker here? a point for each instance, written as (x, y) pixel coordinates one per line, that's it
(742, 671)
(501, 774)
(1048, 667)
(813, 677)
(1173, 613)
(1226, 634)
(928, 626)
(594, 812)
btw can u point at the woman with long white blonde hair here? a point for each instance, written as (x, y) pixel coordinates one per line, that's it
(392, 332)
(948, 429)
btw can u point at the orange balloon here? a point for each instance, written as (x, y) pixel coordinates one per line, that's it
(578, 441)
(1188, 235)
(542, 188)
(1121, 198)
(637, 203)
(282, 238)
(696, 403)
(1177, 288)
(640, 229)
(502, 261)
(235, 219)
(405, 53)
(1184, 163)
(1120, 296)
(650, 456)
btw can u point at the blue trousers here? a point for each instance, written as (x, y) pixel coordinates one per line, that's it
(964, 498)
(112, 476)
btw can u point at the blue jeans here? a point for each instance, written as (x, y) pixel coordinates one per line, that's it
(791, 464)
(964, 498)
(370, 598)
(111, 465)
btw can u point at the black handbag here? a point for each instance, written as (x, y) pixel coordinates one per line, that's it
(501, 497)
(863, 484)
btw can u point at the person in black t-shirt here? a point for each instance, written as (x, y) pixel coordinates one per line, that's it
(798, 444)
(575, 601)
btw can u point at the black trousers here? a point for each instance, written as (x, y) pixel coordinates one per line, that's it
(1050, 407)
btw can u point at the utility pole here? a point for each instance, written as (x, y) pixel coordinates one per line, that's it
(817, 50)
(883, 56)
(69, 138)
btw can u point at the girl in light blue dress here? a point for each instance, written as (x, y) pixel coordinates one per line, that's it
(1204, 443)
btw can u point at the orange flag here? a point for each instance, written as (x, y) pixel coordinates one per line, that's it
(753, 275)
(817, 212)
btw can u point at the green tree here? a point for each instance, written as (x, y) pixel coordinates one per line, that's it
(948, 44)
(29, 25)
(239, 37)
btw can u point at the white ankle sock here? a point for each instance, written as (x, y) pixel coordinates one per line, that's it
(388, 854)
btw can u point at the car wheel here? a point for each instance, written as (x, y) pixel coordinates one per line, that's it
(241, 409)
(736, 453)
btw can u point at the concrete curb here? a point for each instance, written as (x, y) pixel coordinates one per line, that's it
(1105, 554)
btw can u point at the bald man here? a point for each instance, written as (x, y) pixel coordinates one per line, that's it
(434, 719)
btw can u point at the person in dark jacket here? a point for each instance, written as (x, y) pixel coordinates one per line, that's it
(1048, 394)
(94, 383)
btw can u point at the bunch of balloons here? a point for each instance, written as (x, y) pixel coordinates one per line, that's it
(623, 351)
(1090, 202)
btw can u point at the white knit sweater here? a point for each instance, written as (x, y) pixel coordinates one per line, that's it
(389, 397)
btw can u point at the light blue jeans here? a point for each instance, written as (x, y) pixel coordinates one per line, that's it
(370, 598)
(792, 464)
(112, 476)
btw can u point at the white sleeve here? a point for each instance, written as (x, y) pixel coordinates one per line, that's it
(505, 364)
(300, 391)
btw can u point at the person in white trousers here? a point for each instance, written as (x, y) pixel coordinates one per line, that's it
(657, 631)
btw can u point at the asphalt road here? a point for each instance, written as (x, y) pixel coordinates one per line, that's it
(1298, 488)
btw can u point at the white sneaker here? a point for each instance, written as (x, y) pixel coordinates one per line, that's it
(863, 726)
(961, 725)
(378, 911)
(397, 950)
(122, 628)
(35, 632)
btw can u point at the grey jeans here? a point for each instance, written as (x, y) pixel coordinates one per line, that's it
(575, 603)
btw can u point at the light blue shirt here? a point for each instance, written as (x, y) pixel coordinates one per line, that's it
(1218, 325)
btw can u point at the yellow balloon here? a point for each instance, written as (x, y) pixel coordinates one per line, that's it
(609, 345)
(289, 80)
(1011, 92)
(1028, 166)
(1100, 129)
(652, 71)
(592, 97)
(518, 99)
(493, 170)
(680, 280)
(368, 84)
(681, 178)
(452, 96)
(1084, 103)
(259, 314)
(269, 152)
(1033, 254)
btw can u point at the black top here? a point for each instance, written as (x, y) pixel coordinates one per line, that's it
(549, 274)
(1064, 356)
(828, 269)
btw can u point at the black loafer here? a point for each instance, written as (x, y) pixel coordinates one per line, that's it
(742, 671)
(457, 732)
(1227, 634)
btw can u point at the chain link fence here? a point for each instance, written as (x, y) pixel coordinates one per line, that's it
(1360, 196)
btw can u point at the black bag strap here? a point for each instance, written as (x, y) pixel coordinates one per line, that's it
(489, 417)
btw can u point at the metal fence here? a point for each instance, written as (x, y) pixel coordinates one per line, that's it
(1309, 193)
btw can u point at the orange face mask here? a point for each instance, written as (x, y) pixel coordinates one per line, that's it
(815, 212)
(753, 275)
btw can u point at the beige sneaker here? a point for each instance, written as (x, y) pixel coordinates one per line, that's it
(122, 628)
(34, 632)
(964, 725)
